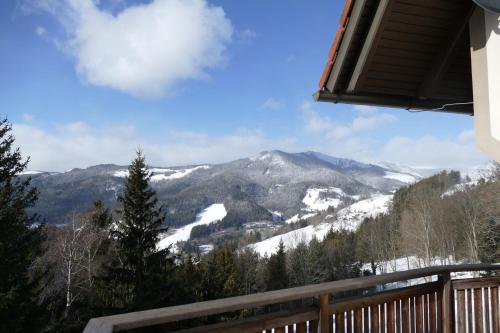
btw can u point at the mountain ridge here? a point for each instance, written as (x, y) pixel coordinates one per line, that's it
(273, 181)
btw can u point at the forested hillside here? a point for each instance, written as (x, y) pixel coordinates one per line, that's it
(437, 219)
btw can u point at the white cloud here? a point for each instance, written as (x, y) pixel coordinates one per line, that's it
(316, 123)
(343, 140)
(80, 145)
(144, 50)
(430, 151)
(272, 104)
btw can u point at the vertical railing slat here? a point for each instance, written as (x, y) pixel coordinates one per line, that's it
(349, 321)
(374, 319)
(412, 314)
(366, 321)
(340, 322)
(469, 312)
(478, 310)
(486, 302)
(447, 319)
(461, 311)
(390, 317)
(495, 308)
(301, 327)
(426, 312)
(406, 312)
(433, 313)
(419, 314)
(358, 320)
(324, 325)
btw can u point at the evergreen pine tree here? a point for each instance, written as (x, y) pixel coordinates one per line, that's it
(277, 277)
(100, 215)
(20, 241)
(220, 275)
(143, 276)
(189, 280)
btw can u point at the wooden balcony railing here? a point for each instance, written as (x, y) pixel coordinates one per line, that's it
(441, 306)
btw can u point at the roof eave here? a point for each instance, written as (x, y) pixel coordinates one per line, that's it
(395, 102)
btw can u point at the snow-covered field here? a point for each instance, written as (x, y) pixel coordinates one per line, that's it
(298, 217)
(163, 174)
(319, 199)
(351, 216)
(177, 174)
(348, 218)
(291, 239)
(212, 213)
(314, 200)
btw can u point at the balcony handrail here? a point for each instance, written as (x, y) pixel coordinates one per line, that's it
(165, 315)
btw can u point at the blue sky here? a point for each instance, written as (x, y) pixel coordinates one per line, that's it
(194, 81)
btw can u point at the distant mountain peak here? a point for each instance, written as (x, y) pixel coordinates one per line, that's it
(343, 163)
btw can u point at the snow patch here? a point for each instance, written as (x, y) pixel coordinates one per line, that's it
(212, 213)
(121, 174)
(277, 216)
(402, 177)
(293, 219)
(30, 172)
(351, 217)
(177, 173)
(291, 239)
(204, 249)
(459, 188)
(297, 217)
(319, 199)
(163, 174)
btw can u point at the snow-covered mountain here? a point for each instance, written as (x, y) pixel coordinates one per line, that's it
(261, 192)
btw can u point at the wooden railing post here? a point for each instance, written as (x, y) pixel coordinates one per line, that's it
(447, 304)
(324, 317)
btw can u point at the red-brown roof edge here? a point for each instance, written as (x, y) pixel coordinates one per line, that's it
(344, 19)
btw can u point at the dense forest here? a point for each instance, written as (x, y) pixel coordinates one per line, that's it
(54, 279)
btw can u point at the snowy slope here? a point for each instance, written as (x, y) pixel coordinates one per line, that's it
(348, 218)
(177, 174)
(317, 199)
(351, 216)
(398, 168)
(459, 188)
(291, 239)
(298, 217)
(402, 177)
(163, 174)
(30, 172)
(213, 213)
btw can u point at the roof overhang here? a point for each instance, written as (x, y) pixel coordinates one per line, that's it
(410, 54)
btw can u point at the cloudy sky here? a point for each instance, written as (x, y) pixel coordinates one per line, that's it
(194, 81)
